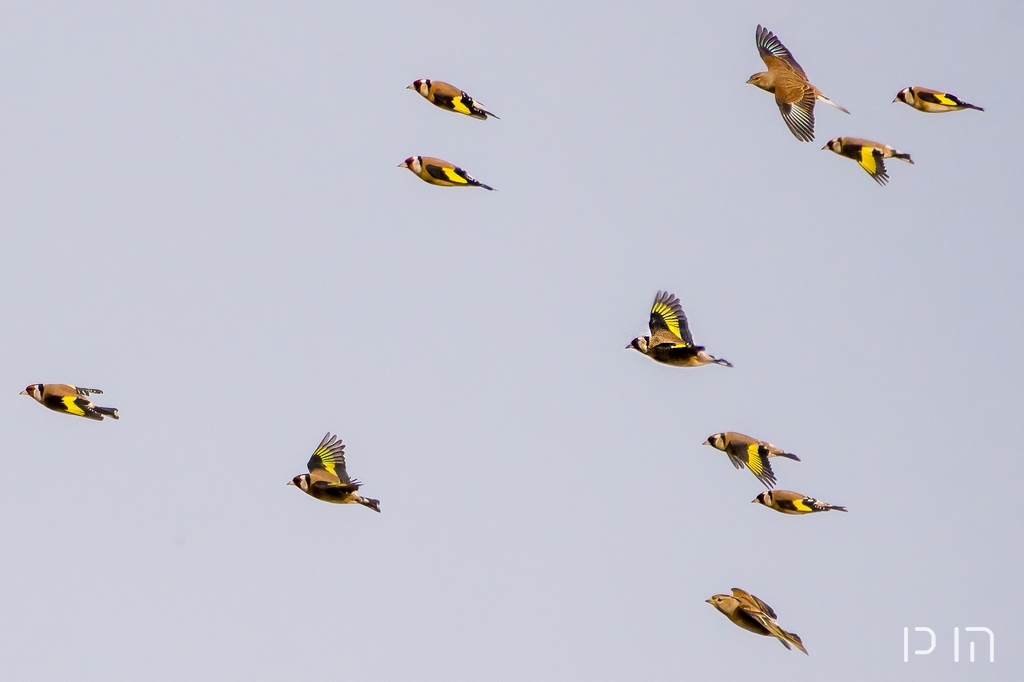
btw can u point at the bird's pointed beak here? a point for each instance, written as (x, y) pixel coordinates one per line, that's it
(23, 393)
(753, 500)
(403, 165)
(708, 601)
(410, 87)
(824, 148)
(290, 483)
(628, 346)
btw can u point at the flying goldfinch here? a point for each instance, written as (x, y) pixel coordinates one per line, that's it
(440, 172)
(749, 452)
(327, 479)
(670, 341)
(868, 154)
(70, 400)
(750, 613)
(447, 96)
(789, 502)
(932, 101)
(787, 81)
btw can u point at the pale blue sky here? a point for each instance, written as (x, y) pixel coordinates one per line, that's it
(202, 215)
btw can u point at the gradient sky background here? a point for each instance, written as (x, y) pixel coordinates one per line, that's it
(202, 215)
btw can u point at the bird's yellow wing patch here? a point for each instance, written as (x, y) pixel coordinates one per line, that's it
(328, 457)
(452, 175)
(804, 504)
(460, 106)
(754, 459)
(867, 160)
(757, 462)
(667, 316)
(71, 405)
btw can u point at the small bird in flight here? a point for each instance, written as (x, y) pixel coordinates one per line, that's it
(70, 400)
(868, 154)
(446, 96)
(786, 79)
(440, 172)
(750, 613)
(789, 502)
(750, 452)
(932, 101)
(327, 479)
(670, 342)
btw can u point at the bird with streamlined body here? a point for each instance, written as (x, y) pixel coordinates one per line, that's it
(932, 101)
(754, 454)
(450, 98)
(868, 154)
(440, 172)
(670, 342)
(328, 480)
(785, 78)
(789, 502)
(752, 614)
(70, 400)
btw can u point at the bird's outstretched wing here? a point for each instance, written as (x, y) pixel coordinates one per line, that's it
(668, 321)
(870, 159)
(774, 53)
(757, 462)
(799, 115)
(328, 461)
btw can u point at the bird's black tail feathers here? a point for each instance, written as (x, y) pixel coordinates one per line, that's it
(107, 412)
(789, 455)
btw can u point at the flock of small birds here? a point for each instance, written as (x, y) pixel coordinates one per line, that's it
(670, 341)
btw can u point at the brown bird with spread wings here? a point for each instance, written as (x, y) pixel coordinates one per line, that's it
(787, 81)
(327, 479)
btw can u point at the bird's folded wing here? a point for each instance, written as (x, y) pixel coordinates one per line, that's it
(452, 174)
(75, 404)
(752, 603)
(336, 486)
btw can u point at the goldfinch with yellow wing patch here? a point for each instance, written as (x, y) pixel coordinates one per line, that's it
(789, 502)
(785, 78)
(327, 479)
(447, 96)
(932, 101)
(440, 172)
(754, 454)
(752, 614)
(868, 154)
(670, 342)
(70, 400)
